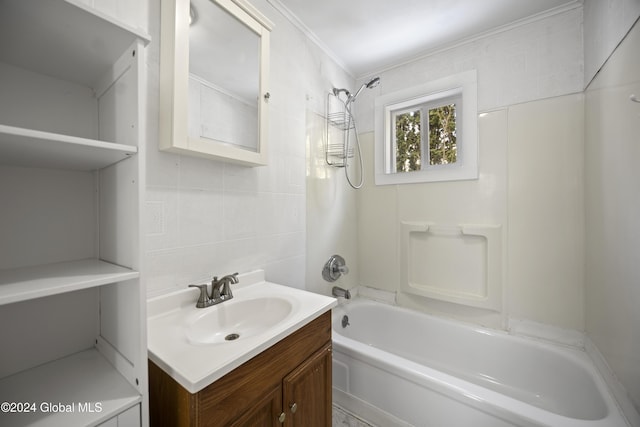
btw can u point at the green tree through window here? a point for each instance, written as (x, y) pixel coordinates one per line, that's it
(408, 142)
(442, 135)
(441, 138)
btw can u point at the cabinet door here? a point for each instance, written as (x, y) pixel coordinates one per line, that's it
(307, 392)
(263, 414)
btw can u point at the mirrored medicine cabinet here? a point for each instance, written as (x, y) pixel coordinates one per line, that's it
(214, 76)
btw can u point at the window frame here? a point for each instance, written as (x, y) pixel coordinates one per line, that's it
(460, 87)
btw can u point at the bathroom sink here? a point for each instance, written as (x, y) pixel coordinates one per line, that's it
(234, 320)
(189, 343)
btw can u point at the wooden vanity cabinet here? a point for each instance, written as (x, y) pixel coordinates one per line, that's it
(289, 384)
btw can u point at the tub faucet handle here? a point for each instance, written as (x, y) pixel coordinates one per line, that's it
(334, 268)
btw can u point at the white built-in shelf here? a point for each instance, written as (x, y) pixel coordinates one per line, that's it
(63, 38)
(82, 379)
(21, 284)
(34, 148)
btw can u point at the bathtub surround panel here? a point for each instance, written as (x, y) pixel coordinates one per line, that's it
(546, 211)
(613, 208)
(524, 63)
(461, 264)
(385, 208)
(541, 201)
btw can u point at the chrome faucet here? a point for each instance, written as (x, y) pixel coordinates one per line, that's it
(339, 292)
(220, 291)
(224, 283)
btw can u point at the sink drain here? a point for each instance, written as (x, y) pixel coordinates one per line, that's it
(231, 337)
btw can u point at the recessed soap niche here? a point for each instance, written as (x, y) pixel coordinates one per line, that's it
(459, 263)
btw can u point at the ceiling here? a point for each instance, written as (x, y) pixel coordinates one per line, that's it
(366, 36)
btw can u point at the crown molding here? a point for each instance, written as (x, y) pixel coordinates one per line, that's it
(476, 37)
(296, 22)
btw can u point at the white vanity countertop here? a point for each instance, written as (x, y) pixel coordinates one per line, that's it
(195, 365)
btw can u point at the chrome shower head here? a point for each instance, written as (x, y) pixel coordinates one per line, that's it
(373, 83)
(369, 85)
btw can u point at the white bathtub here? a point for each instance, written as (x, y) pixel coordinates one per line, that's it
(395, 366)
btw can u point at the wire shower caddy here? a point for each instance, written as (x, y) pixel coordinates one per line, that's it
(340, 123)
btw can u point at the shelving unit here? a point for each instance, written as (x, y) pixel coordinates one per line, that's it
(22, 284)
(33, 148)
(72, 167)
(63, 38)
(95, 391)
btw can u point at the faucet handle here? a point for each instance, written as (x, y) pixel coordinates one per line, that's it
(204, 297)
(334, 268)
(227, 281)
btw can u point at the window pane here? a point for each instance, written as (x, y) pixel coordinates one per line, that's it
(442, 135)
(408, 142)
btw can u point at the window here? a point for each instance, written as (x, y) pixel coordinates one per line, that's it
(428, 133)
(425, 135)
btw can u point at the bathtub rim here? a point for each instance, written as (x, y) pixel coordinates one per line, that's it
(468, 393)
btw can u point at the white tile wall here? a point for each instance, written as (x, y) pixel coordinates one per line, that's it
(206, 218)
(331, 214)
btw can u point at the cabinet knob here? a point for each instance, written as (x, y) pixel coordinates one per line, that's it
(282, 417)
(294, 408)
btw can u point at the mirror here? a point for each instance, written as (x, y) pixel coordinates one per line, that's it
(213, 80)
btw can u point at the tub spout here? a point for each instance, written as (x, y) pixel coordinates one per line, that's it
(339, 292)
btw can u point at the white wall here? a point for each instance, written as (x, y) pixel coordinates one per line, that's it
(612, 212)
(206, 218)
(536, 60)
(530, 181)
(605, 25)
